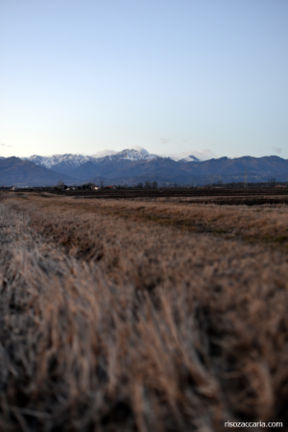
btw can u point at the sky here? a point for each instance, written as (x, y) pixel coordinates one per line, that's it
(167, 75)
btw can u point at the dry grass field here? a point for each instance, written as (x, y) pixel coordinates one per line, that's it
(141, 315)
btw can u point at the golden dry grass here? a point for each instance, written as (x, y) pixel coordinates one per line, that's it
(141, 316)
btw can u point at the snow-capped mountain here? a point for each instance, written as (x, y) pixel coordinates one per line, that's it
(18, 172)
(131, 161)
(76, 160)
(192, 156)
(68, 159)
(135, 154)
(134, 166)
(184, 158)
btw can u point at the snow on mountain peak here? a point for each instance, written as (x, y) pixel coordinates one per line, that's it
(133, 154)
(76, 160)
(137, 153)
(192, 156)
(72, 160)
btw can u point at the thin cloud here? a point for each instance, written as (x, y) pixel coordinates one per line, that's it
(5, 145)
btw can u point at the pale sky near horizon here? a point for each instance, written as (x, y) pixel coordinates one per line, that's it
(168, 75)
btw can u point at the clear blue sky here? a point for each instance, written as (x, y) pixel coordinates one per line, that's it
(168, 75)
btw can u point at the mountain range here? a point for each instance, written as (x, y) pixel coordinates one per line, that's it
(133, 166)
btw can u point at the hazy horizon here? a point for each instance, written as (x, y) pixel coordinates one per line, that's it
(202, 155)
(171, 77)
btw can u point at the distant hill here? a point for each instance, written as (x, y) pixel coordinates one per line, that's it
(17, 172)
(132, 166)
(168, 171)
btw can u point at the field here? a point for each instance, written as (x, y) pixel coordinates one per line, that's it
(146, 313)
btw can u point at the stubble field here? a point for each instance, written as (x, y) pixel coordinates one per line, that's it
(141, 314)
